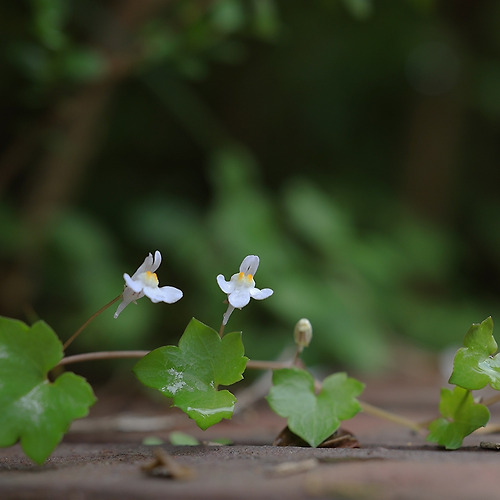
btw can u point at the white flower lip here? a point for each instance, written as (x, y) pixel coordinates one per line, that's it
(241, 287)
(144, 282)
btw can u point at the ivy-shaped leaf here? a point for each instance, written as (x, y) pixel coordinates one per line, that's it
(460, 417)
(191, 373)
(34, 410)
(475, 366)
(312, 416)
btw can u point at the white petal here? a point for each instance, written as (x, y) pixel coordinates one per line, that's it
(261, 294)
(168, 294)
(250, 264)
(157, 261)
(225, 286)
(145, 266)
(136, 286)
(239, 298)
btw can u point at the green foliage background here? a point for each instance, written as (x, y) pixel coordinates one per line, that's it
(351, 144)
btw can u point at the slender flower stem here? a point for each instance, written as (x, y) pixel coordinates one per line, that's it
(221, 329)
(296, 359)
(268, 365)
(93, 356)
(80, 330)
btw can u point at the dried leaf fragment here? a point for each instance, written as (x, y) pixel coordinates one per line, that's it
(341, 438)
(165, 466)
(489, 445)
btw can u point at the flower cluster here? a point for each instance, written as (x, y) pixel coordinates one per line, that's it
(239, 289)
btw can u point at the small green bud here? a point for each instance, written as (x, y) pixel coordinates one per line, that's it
(303, 333)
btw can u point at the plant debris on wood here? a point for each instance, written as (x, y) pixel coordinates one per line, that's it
(341, 438)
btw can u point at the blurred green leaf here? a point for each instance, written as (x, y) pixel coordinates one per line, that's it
(33, 61)
(178, 438)
(152, 441)
(266, 19)
(49, 18)
(82, 65)
(227, 15)
(360, 9)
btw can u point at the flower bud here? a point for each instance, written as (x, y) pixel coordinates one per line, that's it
(303, 333)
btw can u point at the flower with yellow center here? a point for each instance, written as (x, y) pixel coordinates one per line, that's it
(145, 282)
(241, 287)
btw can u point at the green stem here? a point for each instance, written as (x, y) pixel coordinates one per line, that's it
(268, 365)
(80, 330)
(391, 417)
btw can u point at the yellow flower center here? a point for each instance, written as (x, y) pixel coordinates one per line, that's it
(150, 279)
(247, 277)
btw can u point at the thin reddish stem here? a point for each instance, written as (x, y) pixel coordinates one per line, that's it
(80, 330)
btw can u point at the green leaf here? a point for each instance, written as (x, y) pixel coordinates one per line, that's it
(310, 416)
(152, 441)
(34, 410)
(82, 65)
(460, 417)
(474, 366)
(360, 9)
(179, 438)
(192, 372)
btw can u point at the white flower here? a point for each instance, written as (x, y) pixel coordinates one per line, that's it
(145, 282)
(241, 286)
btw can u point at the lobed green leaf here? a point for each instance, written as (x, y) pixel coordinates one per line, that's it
(191, 373)
(313, 416)
(460, 417)
(34, 410)
(474, 365)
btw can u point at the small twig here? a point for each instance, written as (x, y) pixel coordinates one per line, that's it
(102, 309)
(164, 465)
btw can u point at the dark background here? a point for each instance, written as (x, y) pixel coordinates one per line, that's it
(352, 145)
